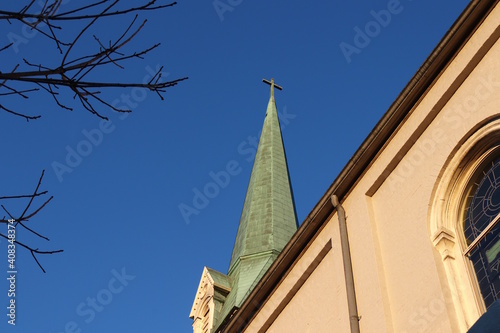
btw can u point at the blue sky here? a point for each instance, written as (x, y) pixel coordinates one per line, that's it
(117, 215)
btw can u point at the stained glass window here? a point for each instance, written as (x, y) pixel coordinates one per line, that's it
(482, 231)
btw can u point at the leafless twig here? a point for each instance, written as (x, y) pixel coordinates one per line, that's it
(73, 69)
(25, 216)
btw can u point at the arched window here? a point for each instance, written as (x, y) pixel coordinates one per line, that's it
(482, 230)
(464, 219)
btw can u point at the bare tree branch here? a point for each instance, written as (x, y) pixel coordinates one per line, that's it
(33, 251)
(6, 47)
(72, 73)
(46, 15)
(22, 196)
(73, 69)
(25, 217)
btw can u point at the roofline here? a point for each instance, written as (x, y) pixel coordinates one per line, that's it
(443, 53)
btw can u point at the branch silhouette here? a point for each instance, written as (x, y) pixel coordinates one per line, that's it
(70, 75)
(79, 70)
(25, 216)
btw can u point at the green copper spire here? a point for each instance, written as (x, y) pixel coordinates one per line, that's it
(268, 219)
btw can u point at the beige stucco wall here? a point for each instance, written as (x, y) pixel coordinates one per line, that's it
(311, 297)
(323, 285)
(419, 292)
(402, 282)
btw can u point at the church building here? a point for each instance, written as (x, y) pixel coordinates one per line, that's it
(406, 238)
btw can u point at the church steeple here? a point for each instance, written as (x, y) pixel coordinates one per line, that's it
(268, 218)
(268, 221)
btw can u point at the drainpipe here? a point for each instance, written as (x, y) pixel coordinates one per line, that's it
(346, 256)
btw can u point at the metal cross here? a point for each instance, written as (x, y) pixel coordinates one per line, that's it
(272, 84)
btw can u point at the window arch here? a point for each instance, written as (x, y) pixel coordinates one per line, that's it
(481, 229)
(463, 215)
